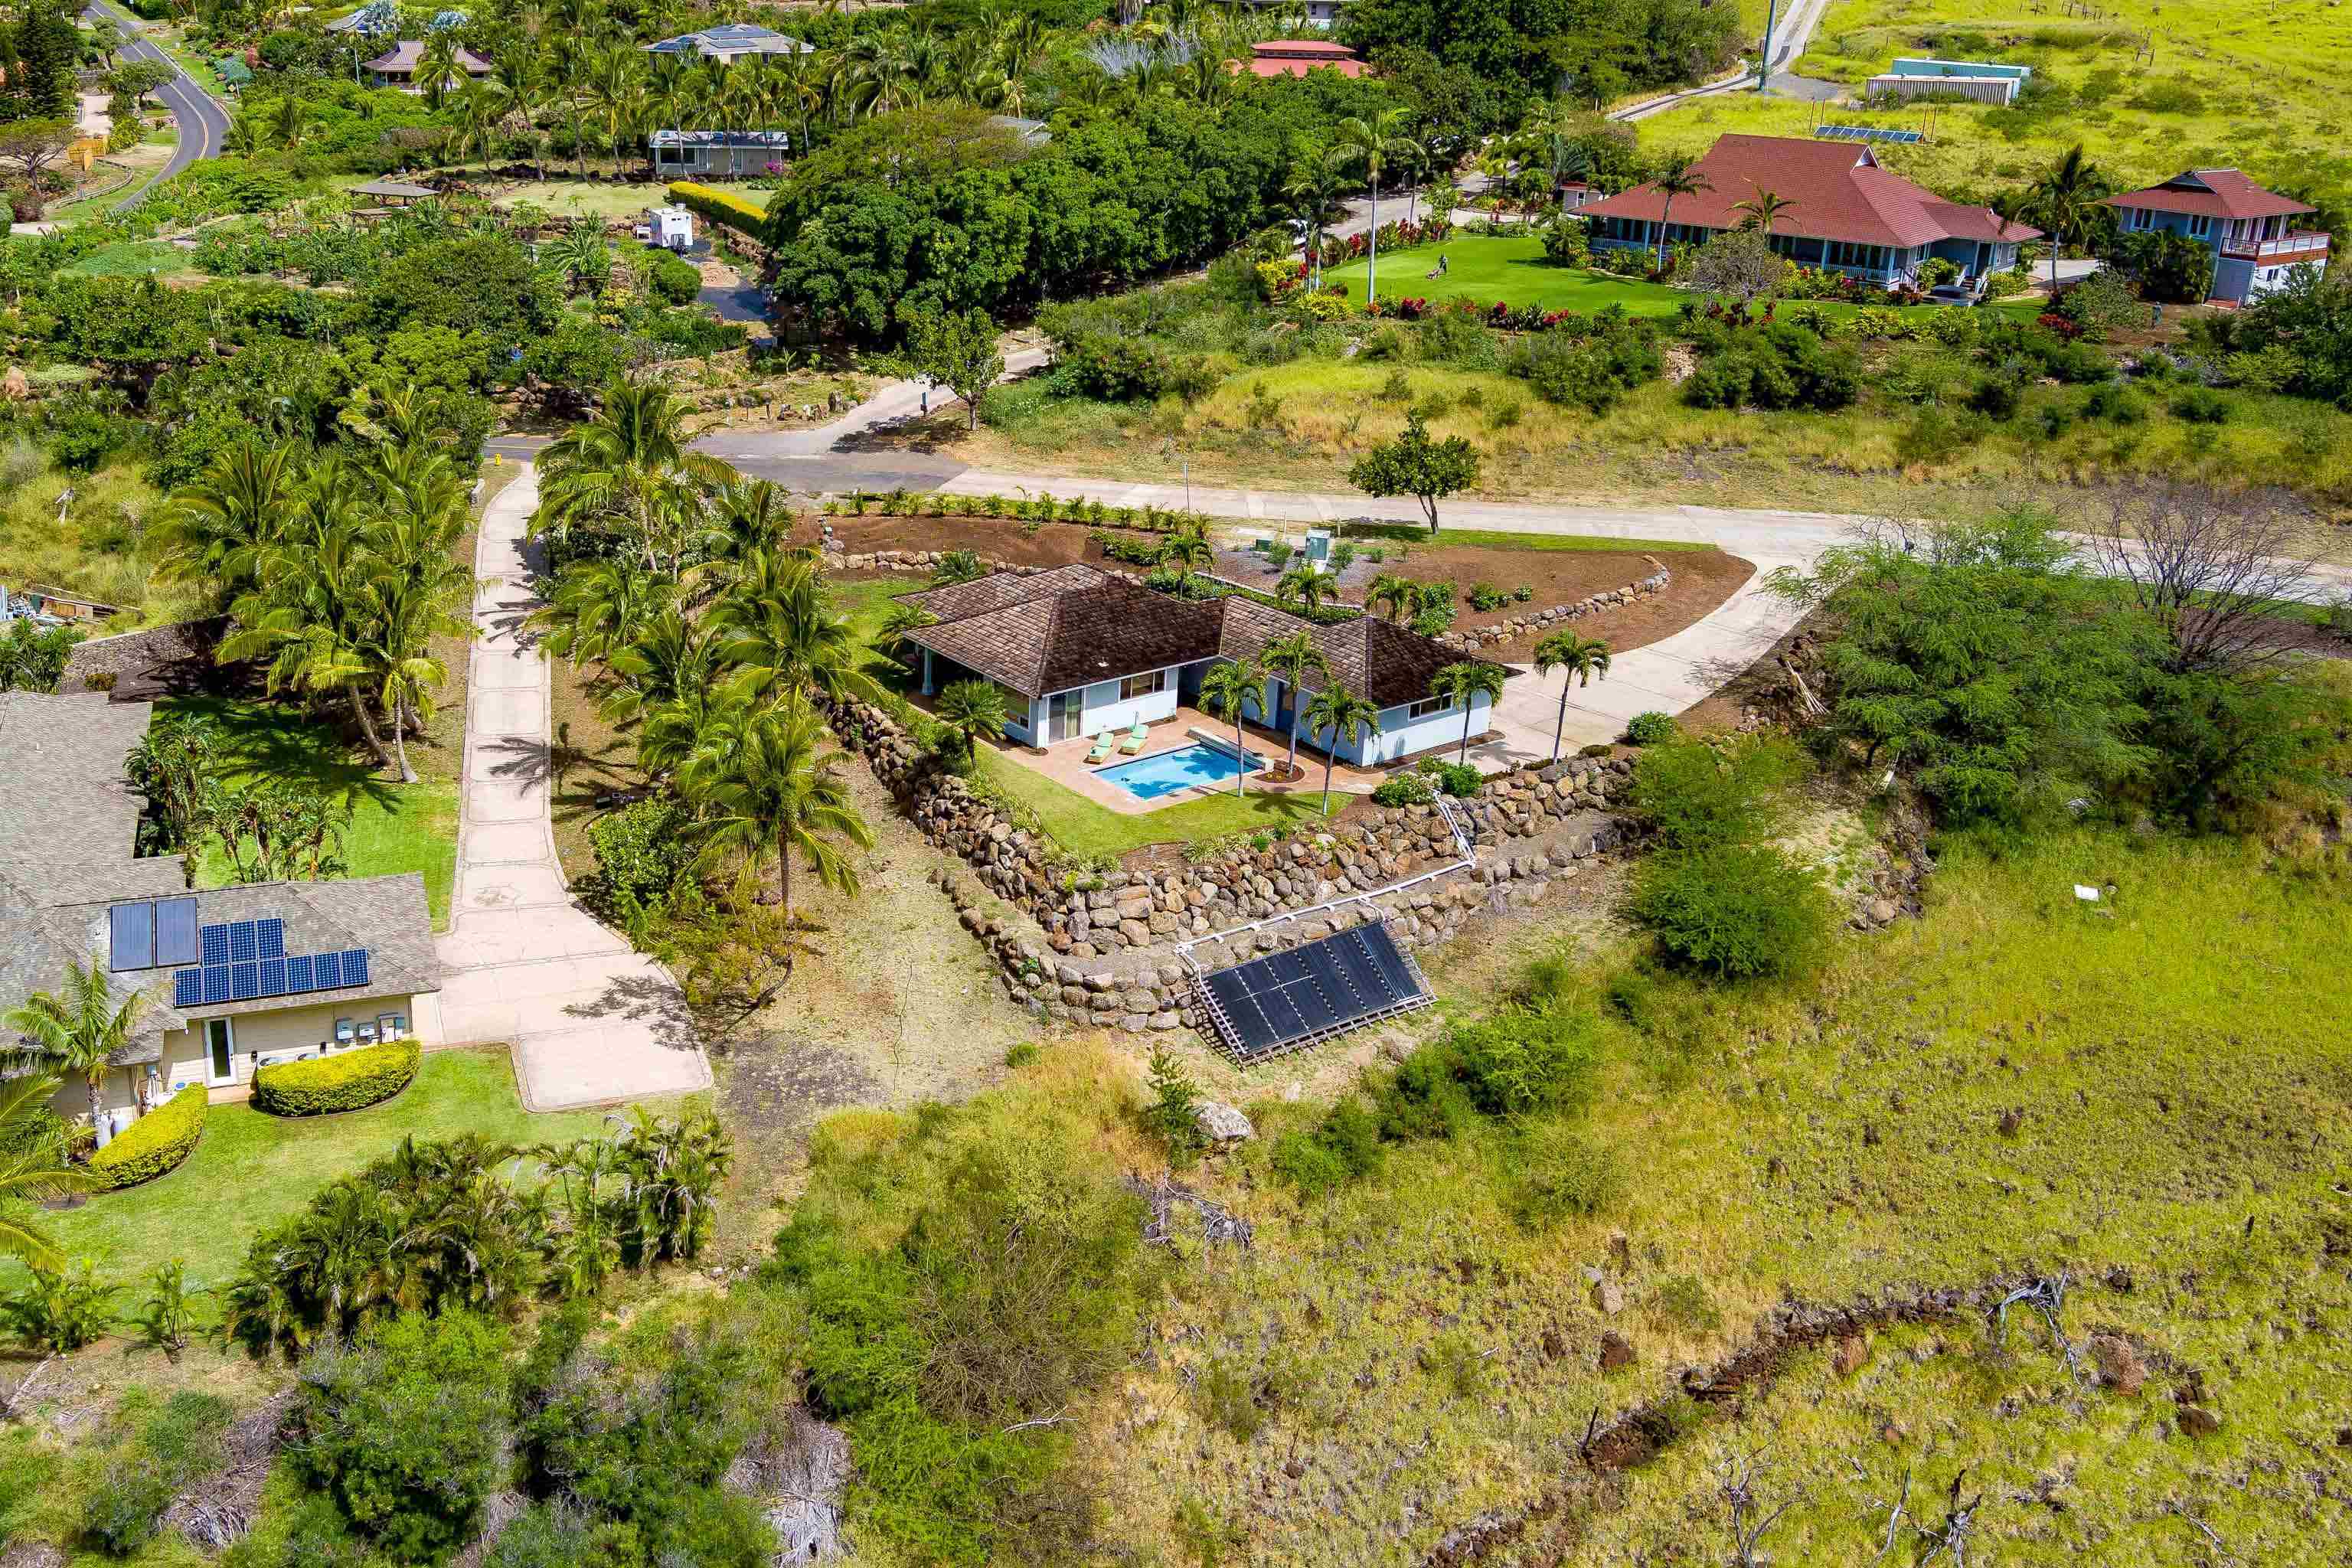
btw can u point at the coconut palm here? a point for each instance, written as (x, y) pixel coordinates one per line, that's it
(1296, 659)
(1762, 210)
(599, 608)
(894, 643)
(1305, 585)
(973, 709)
(1400, 595)
(782, 632)
(628, 472)
(1681, 179)
(1312, 187)
(774, 791)
(1229, 688)
(1345, 715)
(215, 527)
(1188, 549)
(1581, 659)
(671, 657)
(33, 1170)
(1372, 144)
(2065, 199)
(1462, 681)
(79, 1031)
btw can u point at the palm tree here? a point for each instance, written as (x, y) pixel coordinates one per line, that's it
(1371, 143)
(1462, 681)
(973, 709)
(1230, 686)
(2065, 199)
(32, 1169)
(216, 526)
(772, 792)
(522, 75)
(436, 67)
(1582, 660)
(1344, 714)
(1681, 179)
(1762, 209)
(598, 607)
(81, 1031)
(1296, 659)
(893, 643)
(1307, 585)
(1400, 595)
(780, 629)
(629, 469)
(1312, 186)
(1188, 549)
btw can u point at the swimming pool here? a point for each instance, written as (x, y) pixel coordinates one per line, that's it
(1166, 773)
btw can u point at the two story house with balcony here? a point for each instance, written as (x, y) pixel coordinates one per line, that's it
(1842, 213)
(2250, 230)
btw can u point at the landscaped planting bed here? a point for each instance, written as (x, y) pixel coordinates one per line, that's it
(345, 1081)
(154, 1143)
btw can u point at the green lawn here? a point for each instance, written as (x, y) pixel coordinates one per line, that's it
(134, 259)
(394, 826)
(1090, 831)
(252, 1170)
(1485, 269)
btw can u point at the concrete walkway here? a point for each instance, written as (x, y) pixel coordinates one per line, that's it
(590, 1021)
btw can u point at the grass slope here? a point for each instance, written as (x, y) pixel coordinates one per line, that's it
(1485, 269)
(253, 1170)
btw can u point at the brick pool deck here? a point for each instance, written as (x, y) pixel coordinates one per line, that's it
(1065, 762)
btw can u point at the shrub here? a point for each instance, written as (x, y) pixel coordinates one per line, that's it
(1733, 911)
(2202, 406)
(154, 1143)
(1345, 1145)
(1486, 596)
(643, 856)
(1650, 728)
(1459, 780)
(674, 279)
(1994, 396)
(344, 1081)
(1697, 795)
(723, 207)
(62, 1310)
(2101, 303)
(175, 1447)
(1563, 1176)
(404, 1430)
(2116, 404)
(1174, 1097)
(1775, 366)
(1410, 787)
(1528, 1059)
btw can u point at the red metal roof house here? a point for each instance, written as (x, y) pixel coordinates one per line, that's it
(2247, 229)
(1844, 212)
(1297, 57)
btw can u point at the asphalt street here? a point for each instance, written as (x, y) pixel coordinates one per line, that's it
(202, 123)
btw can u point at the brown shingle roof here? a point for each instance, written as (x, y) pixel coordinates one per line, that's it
(1000, 589)
(1836, 190)
(2212, 193)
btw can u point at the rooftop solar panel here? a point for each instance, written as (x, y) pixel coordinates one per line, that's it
(188, 988)
(1311, 992)
(215, 983)
(175, 932)
(244, 981)
(273, 977)
(298, 974)
(271, 936)
(326, 971)
(355, 966)
(216, 945)
(240, 943)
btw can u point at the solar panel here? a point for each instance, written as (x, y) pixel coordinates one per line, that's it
(1866, 133)
(130, 936)
(271, 936)
(216, 945)
(355, 966)
(188, 988)
(1312, 991)
(326, 971)
(240, 943)
(244, 981)
(298, 974)
(215, 983)
(175, 932)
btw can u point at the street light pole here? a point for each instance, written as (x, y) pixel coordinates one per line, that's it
(1764, 71)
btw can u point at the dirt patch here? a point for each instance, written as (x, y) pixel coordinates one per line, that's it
(1703, 580)
(996, 538)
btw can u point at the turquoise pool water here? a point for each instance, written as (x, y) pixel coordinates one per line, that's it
(1165, 773)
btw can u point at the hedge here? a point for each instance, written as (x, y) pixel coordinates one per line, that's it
(721, 206)
(344, 1081)
(154, 1143)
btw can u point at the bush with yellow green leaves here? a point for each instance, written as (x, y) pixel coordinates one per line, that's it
(344, 1081)
(154, 1143)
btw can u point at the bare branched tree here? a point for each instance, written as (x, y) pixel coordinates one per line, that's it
(2048, 1298)
(1736, 1484)
(2208, 565)
(1951, 1538)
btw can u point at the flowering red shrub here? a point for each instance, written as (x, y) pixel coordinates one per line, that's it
(2064, 326)
(1412, 308)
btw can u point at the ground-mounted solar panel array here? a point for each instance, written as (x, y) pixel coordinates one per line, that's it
(1288, 1001)
(1866, 133)
(244, 961)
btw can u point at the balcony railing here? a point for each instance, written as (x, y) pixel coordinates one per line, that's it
(2285, 244)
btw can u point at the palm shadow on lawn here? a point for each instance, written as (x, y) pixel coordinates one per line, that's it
(276, 739)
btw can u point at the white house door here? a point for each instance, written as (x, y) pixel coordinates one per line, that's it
(220, 1052)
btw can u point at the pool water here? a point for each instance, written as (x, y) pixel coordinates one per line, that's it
(1167, 773)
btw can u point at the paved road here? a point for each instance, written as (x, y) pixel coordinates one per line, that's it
(590, 1021)
(1791, 35)
(203, 123)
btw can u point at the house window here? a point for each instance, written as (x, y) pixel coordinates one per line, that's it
(1427, 706)
(2199, 226)
(1145, 684)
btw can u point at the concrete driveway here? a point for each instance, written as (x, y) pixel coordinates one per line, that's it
(590, 1021)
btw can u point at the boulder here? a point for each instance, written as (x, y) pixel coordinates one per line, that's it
(1853, 1350)
(2120, 1363)
(1616, 1351)
(1222, 1123)
(1608, 1297)
(2196, 1421)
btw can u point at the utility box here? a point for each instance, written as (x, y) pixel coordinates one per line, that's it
(672, 228)
(1318, 550)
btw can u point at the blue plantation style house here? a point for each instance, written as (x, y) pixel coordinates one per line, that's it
(1078, 651)
(1843, 213)
(2249, 230)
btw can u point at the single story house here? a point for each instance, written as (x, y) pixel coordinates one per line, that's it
(1297, 57)
(1078, 651)
(730, 43)
(398, 66)
(1976, 81)
(1845, 212)
(718, 153)
(234, 977)
(2250, 230)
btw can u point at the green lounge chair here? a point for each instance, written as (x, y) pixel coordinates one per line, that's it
(1137, 739)
(1103, 748)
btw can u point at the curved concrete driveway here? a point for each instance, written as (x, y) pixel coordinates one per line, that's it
(203, 123)
(590, 1021)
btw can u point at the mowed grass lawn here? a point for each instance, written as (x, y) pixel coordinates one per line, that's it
(1092, 832)
(253, 1170)
(394, 826)
(1483, 270)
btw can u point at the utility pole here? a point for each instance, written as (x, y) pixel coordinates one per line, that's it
(1764, 71)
